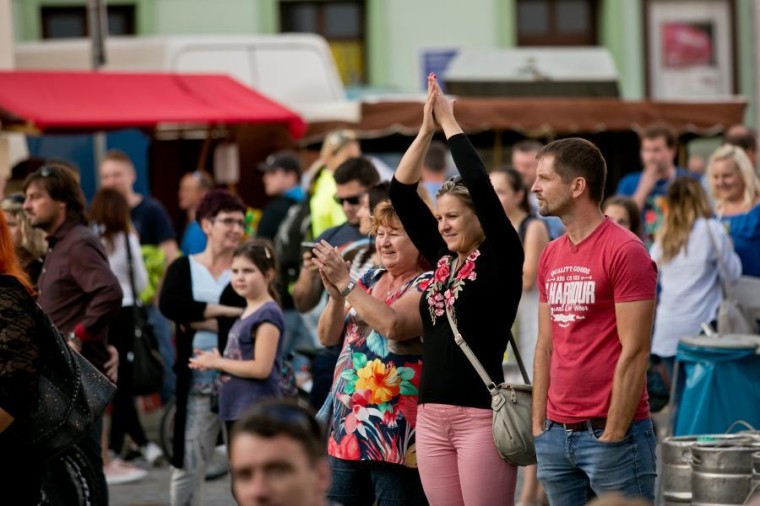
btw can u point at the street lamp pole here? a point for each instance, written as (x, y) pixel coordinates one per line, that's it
(97, 22)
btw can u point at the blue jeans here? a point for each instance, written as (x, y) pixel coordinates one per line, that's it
(163, 332)
(360, 483)
(574, 466)
(297, 335)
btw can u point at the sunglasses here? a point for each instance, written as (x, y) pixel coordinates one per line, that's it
(229, 222)
(455, 179)
(352, 200)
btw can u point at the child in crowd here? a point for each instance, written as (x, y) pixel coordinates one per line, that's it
(250, 367)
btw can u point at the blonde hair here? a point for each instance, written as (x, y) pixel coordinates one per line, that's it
(335, 141)
(32, 239)
(685, 203)
(746, 171)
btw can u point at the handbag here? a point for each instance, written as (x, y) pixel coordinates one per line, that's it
(145, 360)
(732, 319)
(658, 384)
(72, 395)
(511, 405)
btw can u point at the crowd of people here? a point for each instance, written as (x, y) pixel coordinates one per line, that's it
(369, 268)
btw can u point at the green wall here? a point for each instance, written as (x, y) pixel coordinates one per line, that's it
(621, 30)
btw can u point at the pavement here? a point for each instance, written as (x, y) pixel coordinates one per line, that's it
(153, 490)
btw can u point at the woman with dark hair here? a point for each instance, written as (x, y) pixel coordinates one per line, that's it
(534, 235)
(623, 211)
(109, 214)
(478, 281)
(377, 376)
(190, 298)
(20, 469)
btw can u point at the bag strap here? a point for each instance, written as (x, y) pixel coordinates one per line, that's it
(728, 292)
(459, 339)
(136, 303)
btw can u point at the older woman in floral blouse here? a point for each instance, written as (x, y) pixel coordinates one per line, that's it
(374, 396)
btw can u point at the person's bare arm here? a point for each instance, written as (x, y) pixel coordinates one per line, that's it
(219, 310)
(536, 239)
(5, 420)
(409, 168)
(210, 325)
(541, 364)
(331, 322)
(634, 324)
(265, 351)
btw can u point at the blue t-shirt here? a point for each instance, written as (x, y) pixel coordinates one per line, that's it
(653, 212)
(193, 239)
(744, 230)
(152, 222)
(237, 394)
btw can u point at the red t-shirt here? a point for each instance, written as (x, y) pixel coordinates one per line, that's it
(581, 283)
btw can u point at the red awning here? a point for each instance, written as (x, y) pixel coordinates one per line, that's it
(78, 101)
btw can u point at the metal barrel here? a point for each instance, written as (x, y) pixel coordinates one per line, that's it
(722, 471)
(676, 458)
(676, 474)
(755, 482)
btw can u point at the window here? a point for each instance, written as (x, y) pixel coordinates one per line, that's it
(340, 22)
(69, 22)
(556, 22)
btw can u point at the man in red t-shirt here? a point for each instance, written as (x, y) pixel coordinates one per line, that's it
(597, 288)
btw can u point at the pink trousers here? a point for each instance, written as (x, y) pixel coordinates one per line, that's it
(457, 458)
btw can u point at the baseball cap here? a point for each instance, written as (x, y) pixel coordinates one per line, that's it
(286, 160)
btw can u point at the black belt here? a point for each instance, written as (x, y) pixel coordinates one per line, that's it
(596, 424)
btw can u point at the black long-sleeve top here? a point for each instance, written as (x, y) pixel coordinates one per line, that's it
(485, 302)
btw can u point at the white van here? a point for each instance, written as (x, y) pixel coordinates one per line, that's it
(296, 70)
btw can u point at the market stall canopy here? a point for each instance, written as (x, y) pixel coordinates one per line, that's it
(538, 117)
(38, 102)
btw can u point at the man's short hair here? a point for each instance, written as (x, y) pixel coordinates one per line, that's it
(657, 130)
(576, 157)
(62, 184)
(218, 201)
(205, 180)
(435, 158)
(269, 419)
(357, 169)
(742, 136)
(117, 155)
(528, 146)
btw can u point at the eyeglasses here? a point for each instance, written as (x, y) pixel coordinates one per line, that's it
(229, 222)
(353, 200)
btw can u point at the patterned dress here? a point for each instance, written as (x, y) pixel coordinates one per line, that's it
(374, 407)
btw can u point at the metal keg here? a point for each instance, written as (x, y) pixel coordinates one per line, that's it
(676, 474)
(722, 471)
(755, 483)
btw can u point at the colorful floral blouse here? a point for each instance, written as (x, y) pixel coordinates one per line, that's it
(375, 388)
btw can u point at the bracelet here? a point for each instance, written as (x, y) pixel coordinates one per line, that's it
(349, 287)
(72, 337)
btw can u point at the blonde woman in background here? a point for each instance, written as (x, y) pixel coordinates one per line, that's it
(735, 188)
(30, 242)
(689, 248)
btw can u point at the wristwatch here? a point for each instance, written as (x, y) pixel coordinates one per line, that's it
(350, 286)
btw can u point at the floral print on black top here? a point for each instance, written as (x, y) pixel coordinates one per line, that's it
(440, 294)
